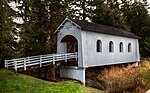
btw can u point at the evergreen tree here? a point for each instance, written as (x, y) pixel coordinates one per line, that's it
(41, 18)
(80, 9)
(6, 35)
(145, 38)
(127, 14)
(108, 12)
(137, 17)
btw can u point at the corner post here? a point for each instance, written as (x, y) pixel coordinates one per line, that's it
(136, 64)
(6, 64)
(84, 76)
(15, 65)
(65, 57)
(40, 60)
(24, 63)
(76, 54)
(53, 58)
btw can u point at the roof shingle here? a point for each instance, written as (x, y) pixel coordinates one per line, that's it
(94, 27)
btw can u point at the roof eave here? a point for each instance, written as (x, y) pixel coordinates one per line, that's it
(60, 26)
(135, 36)
(66, 19)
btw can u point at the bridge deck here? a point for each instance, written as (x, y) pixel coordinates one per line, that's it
(39, 60)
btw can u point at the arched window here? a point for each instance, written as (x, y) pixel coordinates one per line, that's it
(111, 46)
(129, 47)
(121, 47)
(99, 46)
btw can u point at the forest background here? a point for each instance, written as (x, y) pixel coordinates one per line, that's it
(27, 26)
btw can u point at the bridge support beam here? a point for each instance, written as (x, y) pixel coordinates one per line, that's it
(73, 72)
(53, 70)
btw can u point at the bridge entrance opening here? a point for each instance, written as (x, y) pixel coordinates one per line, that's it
(71, 43)
(71, 46)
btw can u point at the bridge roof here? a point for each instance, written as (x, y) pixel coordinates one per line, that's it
(95, 27)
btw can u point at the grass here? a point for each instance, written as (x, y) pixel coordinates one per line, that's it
(12, 83)
(92, 90)
(145, 64)
(118, 80)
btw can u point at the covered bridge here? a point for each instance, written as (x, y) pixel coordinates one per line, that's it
(96, 45)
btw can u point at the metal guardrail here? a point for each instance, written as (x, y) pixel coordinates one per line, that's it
(38, 60)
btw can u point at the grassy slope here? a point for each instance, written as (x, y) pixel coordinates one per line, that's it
(12, 83)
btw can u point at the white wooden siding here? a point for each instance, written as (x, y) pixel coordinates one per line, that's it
(93, 58)
(87, 54)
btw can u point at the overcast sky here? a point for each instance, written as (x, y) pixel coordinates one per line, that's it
(149, 5)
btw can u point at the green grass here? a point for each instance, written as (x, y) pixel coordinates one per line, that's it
(12, 83)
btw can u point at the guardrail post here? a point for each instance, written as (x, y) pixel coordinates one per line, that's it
(65, 57)
(15, 65)
(40, 60)
(24, 63)
(76, 54)
(6, 64)
(53, 58)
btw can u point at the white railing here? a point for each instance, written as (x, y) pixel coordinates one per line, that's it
(39, 60)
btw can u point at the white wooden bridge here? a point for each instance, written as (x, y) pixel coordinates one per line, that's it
(39, 60)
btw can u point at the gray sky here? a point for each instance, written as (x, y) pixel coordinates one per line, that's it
(149, 5)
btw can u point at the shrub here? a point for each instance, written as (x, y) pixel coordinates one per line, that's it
(145, 67)
(124, 79)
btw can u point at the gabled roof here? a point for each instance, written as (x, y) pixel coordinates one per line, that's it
(95, 27)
